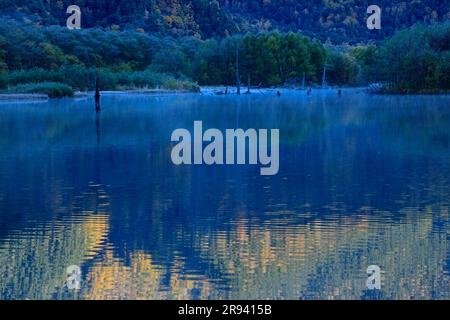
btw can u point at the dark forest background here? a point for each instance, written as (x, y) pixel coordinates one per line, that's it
(336, 20)
(177, 44)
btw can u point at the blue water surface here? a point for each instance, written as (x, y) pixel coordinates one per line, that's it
(363, 180)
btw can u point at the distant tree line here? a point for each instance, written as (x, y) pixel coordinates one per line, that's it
(414, 59)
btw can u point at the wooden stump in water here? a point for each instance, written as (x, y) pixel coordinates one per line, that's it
(97, 96)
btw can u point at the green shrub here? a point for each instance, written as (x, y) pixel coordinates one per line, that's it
(78, 77)
(3, 79)
(174, 84)
(34, 76)
(52, 89)
(83, 79)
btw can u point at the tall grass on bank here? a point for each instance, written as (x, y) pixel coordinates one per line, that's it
(52, 89)
(83, 79)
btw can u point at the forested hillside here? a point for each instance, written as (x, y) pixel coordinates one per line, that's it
(337, 20)
(414, 59)
(177, 44)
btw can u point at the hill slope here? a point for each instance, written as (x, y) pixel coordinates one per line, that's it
(337, 20)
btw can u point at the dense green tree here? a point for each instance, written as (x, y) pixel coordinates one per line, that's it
(170, 60)
(418, 58)
(3, 65)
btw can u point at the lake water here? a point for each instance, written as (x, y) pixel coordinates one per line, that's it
(363, 180)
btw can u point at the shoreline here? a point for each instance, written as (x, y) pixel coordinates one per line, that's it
(23, 96)
(208, 90)
(386, 89)
(87, 94)
(143, 91)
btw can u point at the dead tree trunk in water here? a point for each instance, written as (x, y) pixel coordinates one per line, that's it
(324, 76)
(238, 77)
(248, 82)
(97, 95)
(326, 67)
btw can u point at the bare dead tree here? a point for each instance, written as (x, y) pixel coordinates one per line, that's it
(238, 77)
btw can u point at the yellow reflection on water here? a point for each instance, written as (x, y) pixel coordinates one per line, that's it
(322, 258)
(33, 262)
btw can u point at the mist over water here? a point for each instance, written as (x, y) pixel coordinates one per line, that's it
(363, 180)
